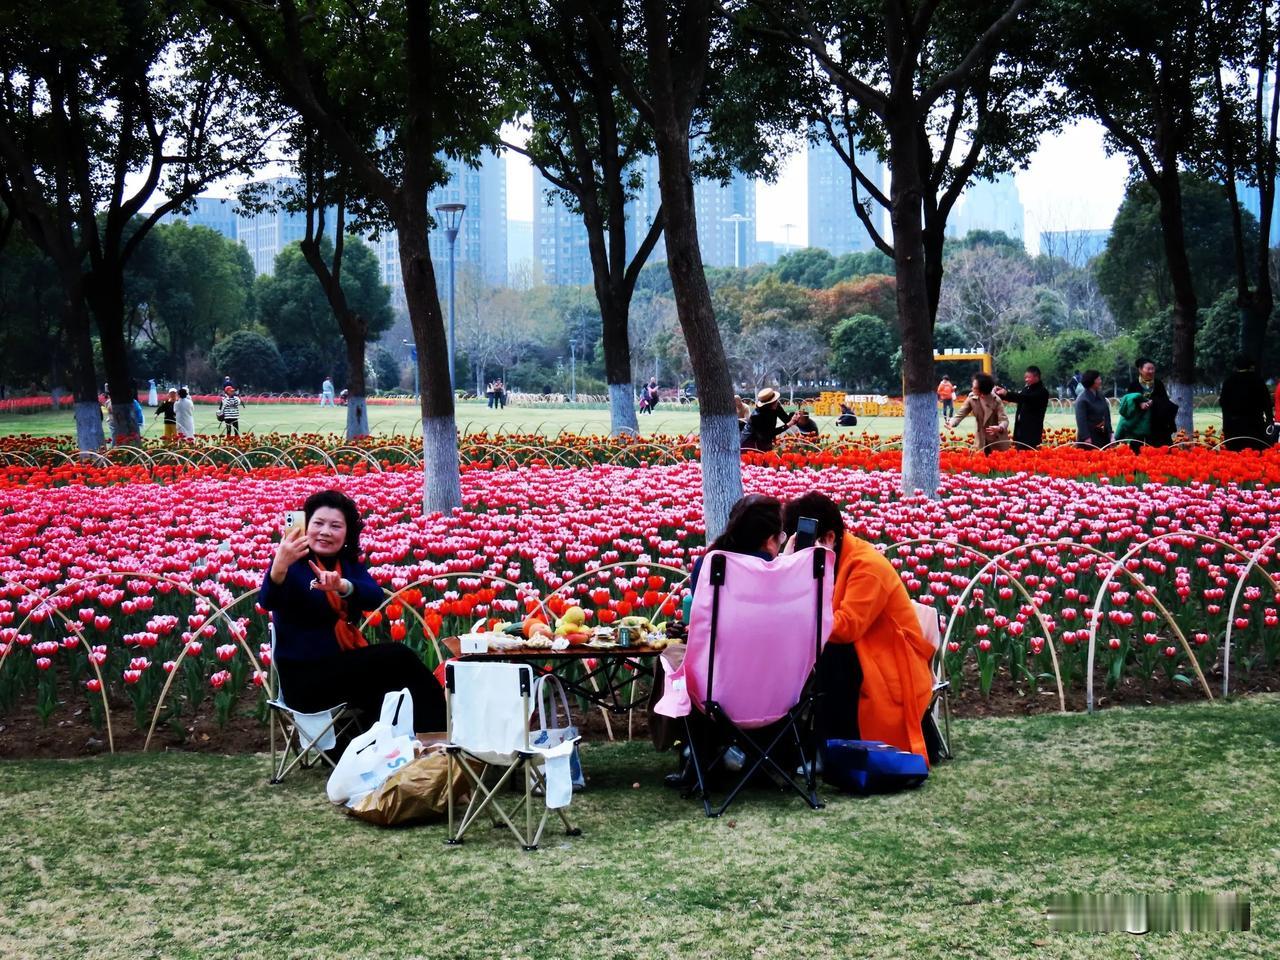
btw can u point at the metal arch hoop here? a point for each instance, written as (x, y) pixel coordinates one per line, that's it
(997, 562)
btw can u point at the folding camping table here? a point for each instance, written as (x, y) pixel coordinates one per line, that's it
(615, 671)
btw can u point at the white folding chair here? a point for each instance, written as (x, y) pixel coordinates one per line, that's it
(936, 723)
(307, 738)
(489, 711)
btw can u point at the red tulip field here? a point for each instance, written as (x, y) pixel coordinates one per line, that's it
(129, 586)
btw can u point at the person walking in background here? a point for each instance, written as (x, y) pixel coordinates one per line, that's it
(1246, 408)
(1146, 412)
(500, 394)
(138, 416)
(1093, 413)
(153, 397)
(326, 393)
(229, 410)
(947, 397)
(653, 393)
(1032, 401)
(1076, 385)
(490, 395)
(168, 409)
(991, 423)
(185, 409)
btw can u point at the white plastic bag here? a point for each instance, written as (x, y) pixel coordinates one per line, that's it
(368, 760)
(397, 712)
(550, 730)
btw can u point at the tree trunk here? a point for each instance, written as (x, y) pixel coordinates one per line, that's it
(89, 435)
(104, 290)
(1182, 376)
(442, 489)
(357, 409)
(617, 363)
(920, 442)
(717, 415)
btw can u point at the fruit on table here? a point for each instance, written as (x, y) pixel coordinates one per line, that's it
(572, 622)
(533, 626)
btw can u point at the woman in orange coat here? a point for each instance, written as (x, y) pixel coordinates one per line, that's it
(876, 633)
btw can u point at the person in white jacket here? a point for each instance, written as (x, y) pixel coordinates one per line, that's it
(185, 409)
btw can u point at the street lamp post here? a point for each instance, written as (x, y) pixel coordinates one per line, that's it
(451, 220)
(573, 371)
(737, 220)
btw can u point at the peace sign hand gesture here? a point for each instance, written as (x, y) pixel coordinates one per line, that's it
(328, 581)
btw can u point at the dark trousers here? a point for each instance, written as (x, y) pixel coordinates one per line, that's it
(233, 427)
(361, 678)
(948, 408)
(839, 685)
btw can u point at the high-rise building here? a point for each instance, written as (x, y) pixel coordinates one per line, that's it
(216, 213)
(482, 233)
(1251, 200)
(1077, 247)
(266, 233)
(726, 221)
(520, 258)
(834, 225)
(560, 253)
(990, 205)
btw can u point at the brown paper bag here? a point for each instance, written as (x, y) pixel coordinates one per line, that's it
(414, 794)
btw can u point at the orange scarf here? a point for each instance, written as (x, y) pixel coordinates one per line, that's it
(348, 637)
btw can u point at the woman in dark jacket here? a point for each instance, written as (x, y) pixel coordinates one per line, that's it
(767, 422)
(1093, 413)
(317, 590)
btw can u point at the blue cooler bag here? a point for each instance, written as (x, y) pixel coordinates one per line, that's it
(869, 766)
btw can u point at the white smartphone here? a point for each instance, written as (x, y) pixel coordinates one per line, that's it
(295, 520)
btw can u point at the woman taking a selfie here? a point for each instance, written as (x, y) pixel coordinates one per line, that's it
(317, 591)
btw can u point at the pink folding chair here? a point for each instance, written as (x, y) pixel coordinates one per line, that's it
(756, 632)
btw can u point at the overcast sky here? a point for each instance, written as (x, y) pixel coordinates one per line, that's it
(1071, 183)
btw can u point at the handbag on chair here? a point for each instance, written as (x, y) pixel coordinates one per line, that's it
(550, 730)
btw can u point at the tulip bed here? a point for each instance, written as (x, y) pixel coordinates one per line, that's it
(115, 586)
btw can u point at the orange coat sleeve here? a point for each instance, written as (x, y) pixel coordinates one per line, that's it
(874, 613)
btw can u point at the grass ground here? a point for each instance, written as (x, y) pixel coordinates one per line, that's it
(474, 416)
(181, 855)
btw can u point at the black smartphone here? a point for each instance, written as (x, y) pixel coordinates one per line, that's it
(806, 532)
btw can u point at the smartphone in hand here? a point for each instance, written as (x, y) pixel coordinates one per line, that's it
(806, 532)
(295, 520)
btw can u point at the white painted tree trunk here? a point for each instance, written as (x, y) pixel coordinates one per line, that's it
(357, 417)
(1182, 395)
(921, 445)
(88, 425)
(622, 410)
(721, 470)
(442, 483)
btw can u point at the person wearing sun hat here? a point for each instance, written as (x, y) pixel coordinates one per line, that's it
(766, 422)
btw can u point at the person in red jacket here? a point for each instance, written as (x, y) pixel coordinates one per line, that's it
(876, 673)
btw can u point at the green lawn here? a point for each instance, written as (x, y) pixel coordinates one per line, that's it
(474, 416)
(181, 855)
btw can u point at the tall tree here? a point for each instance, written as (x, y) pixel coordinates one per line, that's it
(935, 90)
(423, 73)
(588, 140)
(202, 295)
(1244, 53)
(1140, 79)
(700, 87)
(299, 314)
(102, 106)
